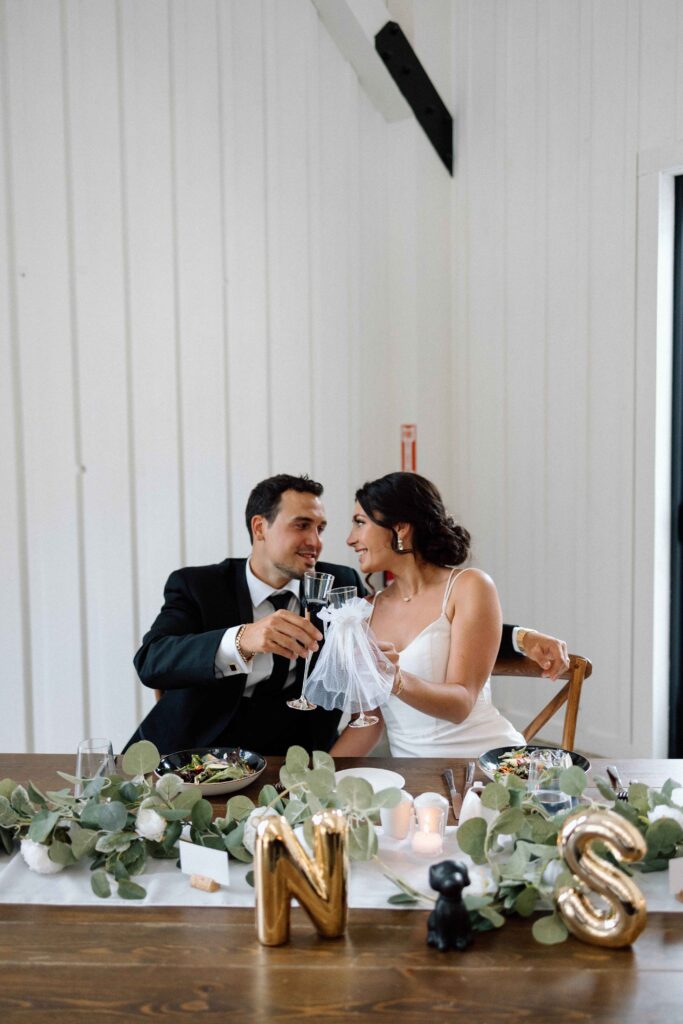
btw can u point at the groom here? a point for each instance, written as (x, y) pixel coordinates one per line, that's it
(227, 649)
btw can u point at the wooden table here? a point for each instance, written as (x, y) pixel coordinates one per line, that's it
(126, 964)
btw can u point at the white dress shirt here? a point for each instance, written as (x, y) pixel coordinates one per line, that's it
(228, 661)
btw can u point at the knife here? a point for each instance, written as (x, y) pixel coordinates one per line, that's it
(456, 798)
(469, 779)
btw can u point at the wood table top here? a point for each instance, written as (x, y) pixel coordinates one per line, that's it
(119, 964)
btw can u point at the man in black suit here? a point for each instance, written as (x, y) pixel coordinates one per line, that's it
(228, 647)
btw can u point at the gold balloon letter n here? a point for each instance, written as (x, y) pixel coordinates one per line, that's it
(283, 870)
(622, 916)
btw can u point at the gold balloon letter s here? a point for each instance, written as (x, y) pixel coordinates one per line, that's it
(283, 870)
(623, 919)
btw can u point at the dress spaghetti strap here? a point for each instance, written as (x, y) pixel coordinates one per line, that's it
(449, 586)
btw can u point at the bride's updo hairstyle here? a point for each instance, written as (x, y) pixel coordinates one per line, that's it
(410, 498)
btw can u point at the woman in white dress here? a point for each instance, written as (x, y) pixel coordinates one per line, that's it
(440, 626)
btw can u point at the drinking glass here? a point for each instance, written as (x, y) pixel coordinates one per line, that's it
(316, 590)
(94, 757)
(340, 595)
(543, 782)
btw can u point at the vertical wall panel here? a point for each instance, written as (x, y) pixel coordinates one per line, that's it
(241, 33)
(150, 225)
(15, 689)
(100, 328)
(45, 339)
(199, 278)
(289, 330)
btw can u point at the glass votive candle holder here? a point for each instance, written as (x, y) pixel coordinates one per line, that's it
(429, 831)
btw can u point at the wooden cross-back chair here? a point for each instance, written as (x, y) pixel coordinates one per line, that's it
(570, 694)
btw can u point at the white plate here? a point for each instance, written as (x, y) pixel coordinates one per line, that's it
(379, 778)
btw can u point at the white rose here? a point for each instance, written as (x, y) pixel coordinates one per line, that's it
(481, 881)
(662, 811)
(252, 823)
(37, 857)
(150, 825)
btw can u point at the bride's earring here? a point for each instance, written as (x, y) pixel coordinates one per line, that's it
(399, 544)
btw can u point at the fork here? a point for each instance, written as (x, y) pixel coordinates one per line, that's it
(617, 785)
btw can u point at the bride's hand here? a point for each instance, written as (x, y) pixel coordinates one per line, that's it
(389, 652)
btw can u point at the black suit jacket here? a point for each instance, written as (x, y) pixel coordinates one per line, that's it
(179, 651)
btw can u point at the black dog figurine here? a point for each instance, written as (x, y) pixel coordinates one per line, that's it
(448, 925)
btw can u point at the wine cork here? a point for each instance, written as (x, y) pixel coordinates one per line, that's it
(204, 883)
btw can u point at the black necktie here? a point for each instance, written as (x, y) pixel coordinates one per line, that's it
(278, 677)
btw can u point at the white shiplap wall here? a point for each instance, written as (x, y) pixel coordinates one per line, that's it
(556, 104)
(214, 265)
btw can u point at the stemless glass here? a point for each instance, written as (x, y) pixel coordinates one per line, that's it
(543, 782)
(94, 757)
(316, 590)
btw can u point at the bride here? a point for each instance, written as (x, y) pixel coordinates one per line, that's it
(439, 625)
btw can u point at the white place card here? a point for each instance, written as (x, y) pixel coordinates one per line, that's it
(200, 860)
(676, 876)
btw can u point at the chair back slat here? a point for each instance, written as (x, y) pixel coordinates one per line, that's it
(579, 669)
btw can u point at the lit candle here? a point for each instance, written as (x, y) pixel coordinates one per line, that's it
(431, 819)
(427, 843)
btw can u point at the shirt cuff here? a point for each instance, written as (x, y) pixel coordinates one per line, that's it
(227, 661)
(514, 640)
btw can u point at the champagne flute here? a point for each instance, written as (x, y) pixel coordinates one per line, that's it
(316, 590)
(94, 757)
(338, 597)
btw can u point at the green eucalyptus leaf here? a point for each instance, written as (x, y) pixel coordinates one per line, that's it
(626, 811)
(131, 890)
(140, 758)
(112, 816)
(249, 878)
(119, 870)
(357, 794)
(169, 787)
(492, 915)
(173, 834)
(8, 816)
(541, 830)
(638, 796)
(36, 796)
(517, 864)
(669, 786)
(296, 759)
(42, 825)
(495, 796)
(241, 854)
(471, 839)
(572, 781)
(313, 804)
(82, 840)
(20, 802)
(663, 835)
(100, 884)
(509, 822)
(61, 853)
(239, 807)
(90, 815)
(321, 782)
(362, 840)
(269, 795)
(513, 782)
(604, 788)
(402, 897)
(93, 787)
(473, 902)
(130, 792)
(112, 842)
(173, 813)
(235, 838)
(296, 811)
(390, 797)
(292, 779)
(526, 901)
(7, 787)
(321, 759)
(549, 930)
(187, 799)
(202, 813)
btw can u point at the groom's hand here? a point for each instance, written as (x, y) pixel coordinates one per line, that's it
(547, 651)
(284, 633)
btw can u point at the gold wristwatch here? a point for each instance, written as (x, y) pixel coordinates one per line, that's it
(521, 634)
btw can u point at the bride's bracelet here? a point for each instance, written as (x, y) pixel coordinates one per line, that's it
(398, 683)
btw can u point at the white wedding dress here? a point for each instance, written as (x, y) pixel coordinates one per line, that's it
(414, 734)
